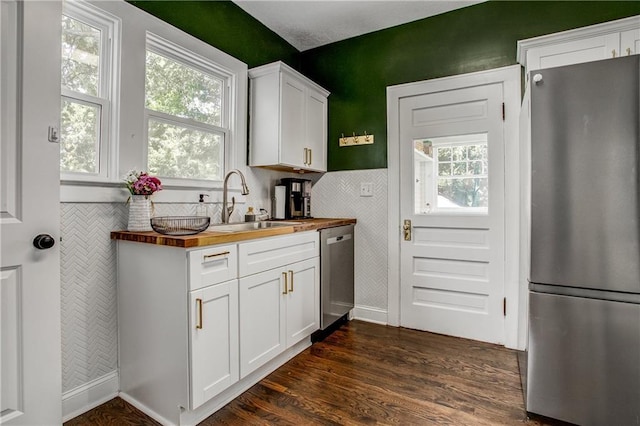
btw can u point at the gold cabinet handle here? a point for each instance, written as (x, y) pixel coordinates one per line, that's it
(310, 157)
(613, 53)
(199, 307)
(306, 155)
(209, 256)
(628, 51)
(290, 281)
(284, 274)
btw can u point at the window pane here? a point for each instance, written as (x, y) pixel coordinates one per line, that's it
(456, 178)
(80, 56)
(176, 89)
(181, 152)
(79, 137)
(467, 192)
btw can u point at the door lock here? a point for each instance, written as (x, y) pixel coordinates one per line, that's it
(406, 229)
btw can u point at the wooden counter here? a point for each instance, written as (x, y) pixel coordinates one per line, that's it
(208, 238)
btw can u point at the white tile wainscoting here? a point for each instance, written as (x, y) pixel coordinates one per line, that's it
(337, 194)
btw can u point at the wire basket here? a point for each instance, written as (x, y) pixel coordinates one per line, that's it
(180, 225)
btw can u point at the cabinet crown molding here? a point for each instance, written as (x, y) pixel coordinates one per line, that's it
(281, 66)
(620, 25)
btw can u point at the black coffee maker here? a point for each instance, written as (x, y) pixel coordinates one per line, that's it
(298, 198)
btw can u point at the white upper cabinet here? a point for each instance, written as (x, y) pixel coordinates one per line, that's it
(288, 120)
(593, 43)
(630, 42)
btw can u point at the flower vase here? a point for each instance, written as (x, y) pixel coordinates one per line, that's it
(139, 213)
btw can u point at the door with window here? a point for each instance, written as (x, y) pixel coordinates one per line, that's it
(452, 208)
(30, 355)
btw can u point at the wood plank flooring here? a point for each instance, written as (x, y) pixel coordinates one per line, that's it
(371, 374)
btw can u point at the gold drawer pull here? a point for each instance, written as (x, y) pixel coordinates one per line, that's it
(199, 307)
(290, 281)
(284, 274)
(209, 256)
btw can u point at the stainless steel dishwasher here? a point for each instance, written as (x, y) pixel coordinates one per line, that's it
(336, 273)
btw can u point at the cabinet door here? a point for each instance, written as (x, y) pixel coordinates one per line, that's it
(630, 42)
(316, 130)
(303, 300)
(292, 131)
(214, 340)
(262, 319)
(574, 52)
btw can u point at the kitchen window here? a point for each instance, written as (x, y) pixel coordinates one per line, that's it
(186, 114)
(88, 89)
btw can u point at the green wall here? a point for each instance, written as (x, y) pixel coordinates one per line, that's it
(226, 26)
(358, 70)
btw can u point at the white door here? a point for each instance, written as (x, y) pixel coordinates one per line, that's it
(303, 300)
(30, 277)
(292, 132)
(214, 337)
(316, 130)
(262, 318)
(452, 192)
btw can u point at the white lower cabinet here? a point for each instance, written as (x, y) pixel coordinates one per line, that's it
(278, 308)
(214, 341)
(193, 324)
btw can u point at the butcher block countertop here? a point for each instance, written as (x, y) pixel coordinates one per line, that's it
(209, 238)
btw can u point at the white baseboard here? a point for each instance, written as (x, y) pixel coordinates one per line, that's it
(90, 395)
(145, 409)
(370, 314)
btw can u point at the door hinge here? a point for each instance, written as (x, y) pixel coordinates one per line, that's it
(504, 306)
(503, 111)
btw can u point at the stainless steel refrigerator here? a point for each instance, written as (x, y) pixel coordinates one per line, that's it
(584, 291)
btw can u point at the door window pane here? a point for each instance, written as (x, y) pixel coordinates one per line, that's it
(451, 174)
(79, 136)
(183, 152)
(80, 56)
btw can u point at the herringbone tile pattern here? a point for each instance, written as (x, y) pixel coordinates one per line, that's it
(88, 282)
(337, 194)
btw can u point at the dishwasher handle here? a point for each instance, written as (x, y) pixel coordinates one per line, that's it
(339, 238)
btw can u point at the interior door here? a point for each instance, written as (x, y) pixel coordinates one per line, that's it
(452, 206)
(30, 374)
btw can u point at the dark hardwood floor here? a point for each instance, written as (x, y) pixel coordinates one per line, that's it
(371, 374)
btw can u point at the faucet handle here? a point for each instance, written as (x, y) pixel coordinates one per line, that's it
(231, 208)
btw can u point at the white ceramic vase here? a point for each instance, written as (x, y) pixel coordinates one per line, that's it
(139, 213)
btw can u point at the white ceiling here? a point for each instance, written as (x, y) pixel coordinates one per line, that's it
(306, 24)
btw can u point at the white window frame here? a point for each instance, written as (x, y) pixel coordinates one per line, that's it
(128, 139)
(174, 51)
(108, 88)
(450, 142)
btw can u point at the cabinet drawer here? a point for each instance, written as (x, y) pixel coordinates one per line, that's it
(212, 265)
(270, 253)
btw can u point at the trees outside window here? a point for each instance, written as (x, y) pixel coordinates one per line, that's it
(185, 108)
(86, 87)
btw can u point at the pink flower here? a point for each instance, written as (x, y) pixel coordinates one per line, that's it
(140, 183)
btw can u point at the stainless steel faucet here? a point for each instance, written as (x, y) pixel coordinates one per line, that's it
(226, 211)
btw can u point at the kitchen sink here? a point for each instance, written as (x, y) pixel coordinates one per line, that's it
(249, 226)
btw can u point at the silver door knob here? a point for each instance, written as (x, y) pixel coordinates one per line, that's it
(43, 241)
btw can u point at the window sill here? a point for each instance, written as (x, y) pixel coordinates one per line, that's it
(84, 192)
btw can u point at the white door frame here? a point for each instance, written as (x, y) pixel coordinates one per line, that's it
(509, 77)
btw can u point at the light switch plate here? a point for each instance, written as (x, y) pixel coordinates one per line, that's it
(366, 189)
